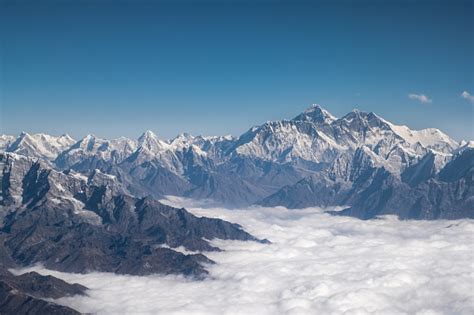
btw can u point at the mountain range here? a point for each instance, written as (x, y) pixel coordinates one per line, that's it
(360, 161)
(91, 204)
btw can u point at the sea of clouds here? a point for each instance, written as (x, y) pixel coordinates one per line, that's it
(316, 264)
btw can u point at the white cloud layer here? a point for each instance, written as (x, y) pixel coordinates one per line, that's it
(468, 96)
(420, 97)
(317, 264)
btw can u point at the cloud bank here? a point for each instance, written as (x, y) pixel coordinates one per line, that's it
(317, 264)
(422, 98)
(468, 96)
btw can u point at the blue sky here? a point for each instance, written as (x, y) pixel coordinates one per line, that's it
(219, 67)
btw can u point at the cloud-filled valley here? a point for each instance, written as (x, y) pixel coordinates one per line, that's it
(316, 264)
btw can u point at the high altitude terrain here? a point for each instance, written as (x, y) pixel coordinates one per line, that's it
(91, 205)
(360, 161)
(70, 223)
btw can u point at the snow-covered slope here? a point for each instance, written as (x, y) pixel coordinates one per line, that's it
(91, 152)
(5, 141)
(40, 145)
(319, 137)
(285, 141)
(150, 141)
(464, 145)
(431, 137)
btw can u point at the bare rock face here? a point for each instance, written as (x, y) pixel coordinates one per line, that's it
(75, 224)
(25, 294)
(369, 190)
(32, 283)
(14, 302)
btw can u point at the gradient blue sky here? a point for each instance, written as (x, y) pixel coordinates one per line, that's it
(219, 67)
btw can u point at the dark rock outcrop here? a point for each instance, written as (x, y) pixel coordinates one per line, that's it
(25, 294)
(369, 190)
(71, 224)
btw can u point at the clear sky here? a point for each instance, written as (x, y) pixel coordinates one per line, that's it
(219, 67)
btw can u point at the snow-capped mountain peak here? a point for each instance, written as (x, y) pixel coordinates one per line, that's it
(150, 141)
(66, 139)
(148, 134)
(182, 140)
(430, 137)
(316, 136)
(89, 142)
(40, 145)
(316, 114)
(364, 119)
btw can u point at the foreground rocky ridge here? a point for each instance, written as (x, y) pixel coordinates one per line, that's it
(73, 224)
(273, 164)
(30, 293)
(26, 293)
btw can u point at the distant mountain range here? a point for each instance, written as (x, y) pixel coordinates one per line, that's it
(360, 161)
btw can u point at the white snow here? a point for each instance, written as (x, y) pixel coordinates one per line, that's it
(40, 145)
(427, 137)
(5, 141)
